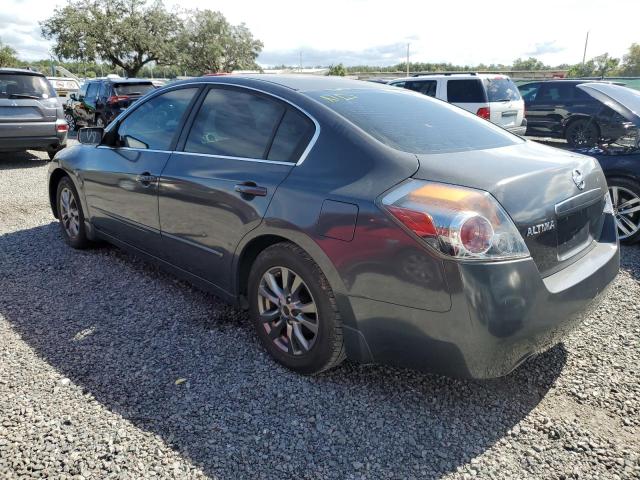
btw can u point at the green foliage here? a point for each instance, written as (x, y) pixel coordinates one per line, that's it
(605, 64)
(631, 61)
(337, 70)
(7, 56)
(530, 63)
(127, 33)
(209, 43)
(586, 69)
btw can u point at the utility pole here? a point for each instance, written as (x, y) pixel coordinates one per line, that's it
(584, 55)
(408, 59)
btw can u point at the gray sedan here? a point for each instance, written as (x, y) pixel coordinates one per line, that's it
(353, 220)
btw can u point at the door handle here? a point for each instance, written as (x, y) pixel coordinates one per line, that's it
(250, 188)
(146, 179)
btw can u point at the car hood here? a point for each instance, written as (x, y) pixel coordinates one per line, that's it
(622, 100)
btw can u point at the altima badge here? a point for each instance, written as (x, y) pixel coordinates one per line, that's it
(540, 228)
(578, 179)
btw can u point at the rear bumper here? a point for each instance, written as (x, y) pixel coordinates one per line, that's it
(521, 130)
(54, 142)
(501, 314)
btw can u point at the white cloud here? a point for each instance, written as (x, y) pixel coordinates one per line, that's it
(376, 32)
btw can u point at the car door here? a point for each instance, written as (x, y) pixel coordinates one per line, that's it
(87, 107)
(240, 146)
(546, 113)
(121, 176)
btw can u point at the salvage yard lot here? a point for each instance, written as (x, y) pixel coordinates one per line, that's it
(110, 368)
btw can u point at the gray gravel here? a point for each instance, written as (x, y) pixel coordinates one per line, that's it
(112, 369)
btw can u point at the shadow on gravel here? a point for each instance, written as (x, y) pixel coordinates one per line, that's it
(124, 333)
(15, 160)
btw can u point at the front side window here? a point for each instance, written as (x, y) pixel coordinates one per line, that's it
(153, 125)
(234, 123)
(92, 93)
(465, 91)
(414, 123)
(14, 85)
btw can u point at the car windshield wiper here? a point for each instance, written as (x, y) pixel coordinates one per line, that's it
(23, 95)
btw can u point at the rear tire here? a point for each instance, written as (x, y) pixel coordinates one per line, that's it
(625, 195)
(294, 310)
(582, 134)
(70, 214)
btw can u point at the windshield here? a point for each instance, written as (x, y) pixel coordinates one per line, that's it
(623, 100)
(413, 122)
(15, 85)
(132, 88)
(502, 90)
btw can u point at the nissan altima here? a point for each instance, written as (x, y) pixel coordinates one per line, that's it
(352, 219)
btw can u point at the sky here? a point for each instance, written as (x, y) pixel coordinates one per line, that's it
(357, 32)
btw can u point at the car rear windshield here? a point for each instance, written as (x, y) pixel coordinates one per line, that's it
(413, 122)
(502, 90)
(14, 85)
(132, 88)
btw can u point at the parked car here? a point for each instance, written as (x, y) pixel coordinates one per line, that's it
(30, 116)
(100, 101)
(492, 97)
(559, 109)
(620, 158)
(352, 219)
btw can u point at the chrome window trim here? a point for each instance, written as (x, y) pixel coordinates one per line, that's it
(230, 157)
(303, 155)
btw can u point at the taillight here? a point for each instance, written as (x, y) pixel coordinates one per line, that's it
(484, 112)
(458, 221)
(116, 98)
(62, 126)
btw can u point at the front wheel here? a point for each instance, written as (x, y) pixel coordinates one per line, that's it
(294, 310)
(625, 197)
(582, 134)
(70, 215)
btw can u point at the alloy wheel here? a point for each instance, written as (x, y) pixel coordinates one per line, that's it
(626, 207)
(69, 213)
(288, 312)
(70, 121)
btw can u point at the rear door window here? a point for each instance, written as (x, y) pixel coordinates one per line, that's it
(529, 91)
(465, 91)
(502, 90)
(235, 123)
(293, 136)
(426, 87)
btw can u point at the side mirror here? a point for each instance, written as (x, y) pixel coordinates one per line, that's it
(72, 96)
(90, 136)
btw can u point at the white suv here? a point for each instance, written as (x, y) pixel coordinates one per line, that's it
(492, 97)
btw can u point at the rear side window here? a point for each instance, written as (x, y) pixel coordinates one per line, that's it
(234, 123)
(465, 91)
(414, 123)
(293, 136)
(426, 87)
(14, 85)
(153, 125)
(501, 90)
(132, 88)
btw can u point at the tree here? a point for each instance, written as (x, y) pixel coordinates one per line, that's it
(337, 70)
(530, 63)
(211, 44)
(631, 61)
(586, 69)
(7, 56)
(604, 64)
(127, 33)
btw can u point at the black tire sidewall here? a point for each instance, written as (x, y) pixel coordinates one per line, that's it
(80, 241)
(584, 124)
(634, 186)
(322, 351)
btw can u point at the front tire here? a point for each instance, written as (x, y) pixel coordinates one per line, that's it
(625, 196)
(582, 134)
(70, 214)
(294, 310)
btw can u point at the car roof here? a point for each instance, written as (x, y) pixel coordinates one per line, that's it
(121, 80)
(21, 71)
(429, 76)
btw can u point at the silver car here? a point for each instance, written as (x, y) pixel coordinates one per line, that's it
(31, 118)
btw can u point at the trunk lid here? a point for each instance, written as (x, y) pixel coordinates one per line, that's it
(535, 185)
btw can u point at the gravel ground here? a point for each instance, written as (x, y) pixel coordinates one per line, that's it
(112, 369)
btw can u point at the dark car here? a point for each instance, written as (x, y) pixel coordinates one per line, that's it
(620, 160)
(100, 101)
(31, 117)
(352, 219)
(559, 109)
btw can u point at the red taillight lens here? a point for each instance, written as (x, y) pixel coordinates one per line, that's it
(62, 127)
(484, 112)
(476, 234)
(116, 98)
(457, 221)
